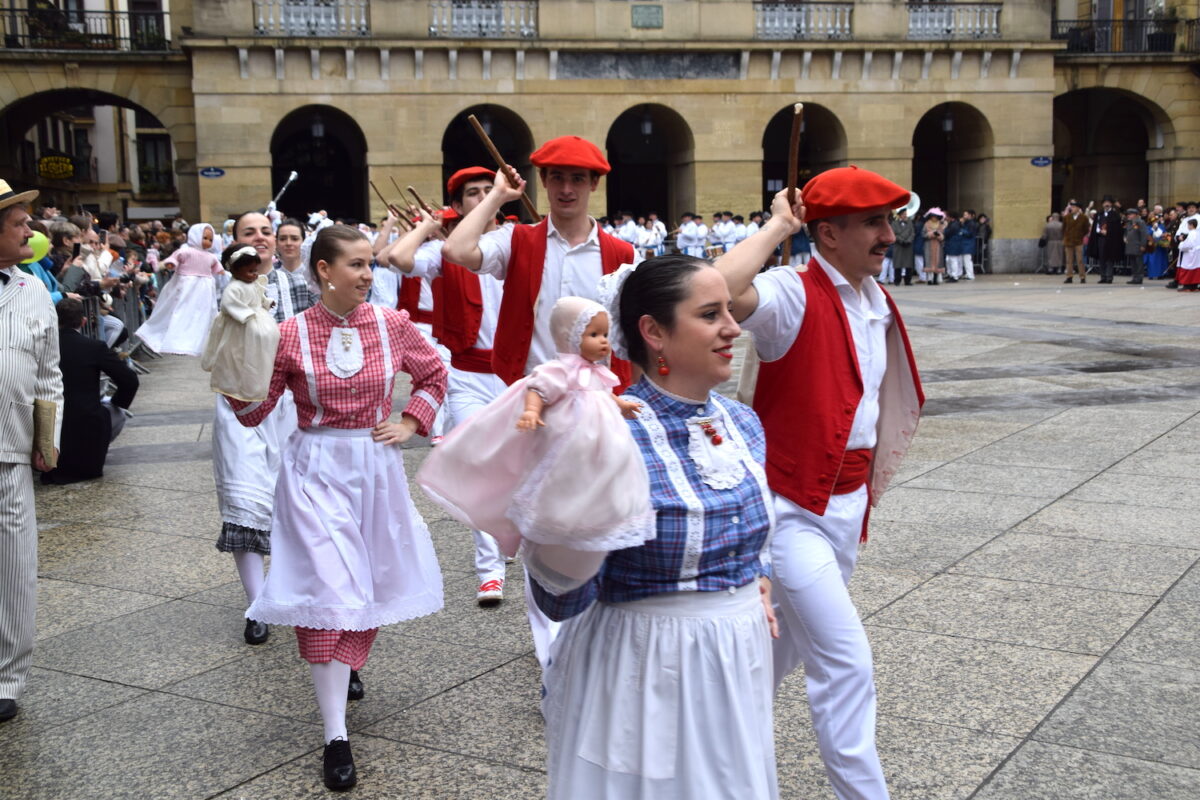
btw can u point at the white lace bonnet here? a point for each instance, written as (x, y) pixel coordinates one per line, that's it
(568, 320)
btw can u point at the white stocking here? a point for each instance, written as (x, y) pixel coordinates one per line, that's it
(330, 680)
(250, 569)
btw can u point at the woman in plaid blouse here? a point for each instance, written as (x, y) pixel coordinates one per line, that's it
(349, 550)
(660, 682)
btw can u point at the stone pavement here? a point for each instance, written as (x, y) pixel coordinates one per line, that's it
(1030, 590)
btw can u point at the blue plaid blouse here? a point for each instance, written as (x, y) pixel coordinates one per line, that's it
(708, 539)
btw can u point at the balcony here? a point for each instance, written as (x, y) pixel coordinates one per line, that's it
(66, 29)
(483, 19)
(948, 21)
(1112, 36)
(334, 18)
(799, 21)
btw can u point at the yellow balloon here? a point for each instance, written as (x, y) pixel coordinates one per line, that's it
(40, 245)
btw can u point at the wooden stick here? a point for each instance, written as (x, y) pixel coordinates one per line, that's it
(793, 169)
(383, 200)
(421, 201)
(509, 172)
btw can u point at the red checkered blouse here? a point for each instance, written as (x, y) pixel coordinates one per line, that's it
(390, 344)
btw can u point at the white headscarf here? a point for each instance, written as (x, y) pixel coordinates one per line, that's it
(196, 238)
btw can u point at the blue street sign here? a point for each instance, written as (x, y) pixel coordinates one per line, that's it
(1041, 161)
(211, 172)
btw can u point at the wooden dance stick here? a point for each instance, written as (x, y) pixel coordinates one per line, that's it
(510, 173)
(421, 201)
(793, 170)
(383, 200)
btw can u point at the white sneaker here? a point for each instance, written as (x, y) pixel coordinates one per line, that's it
(490, 592)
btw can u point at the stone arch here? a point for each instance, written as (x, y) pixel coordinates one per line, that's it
(1105, 142)
(652, 152)
(25, 111)
(952, 165)
(462, 148)
(328, 151)
(822, 146)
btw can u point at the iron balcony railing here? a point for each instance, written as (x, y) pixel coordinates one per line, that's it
(934, 21)
(51, 28)
(483, 19)
(312, 17)
(793, 21)
(1128, 35)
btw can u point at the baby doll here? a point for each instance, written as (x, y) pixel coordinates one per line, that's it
(580, 480)
(240, 352)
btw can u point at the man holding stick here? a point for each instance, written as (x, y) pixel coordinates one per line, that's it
(839, 398)
(565, 254)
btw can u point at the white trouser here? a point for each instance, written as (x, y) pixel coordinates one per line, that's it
(919, 264)
(813, 560)
(888, 274)
(466, 394)
(968, 262)
(18, 577)
(954, 266)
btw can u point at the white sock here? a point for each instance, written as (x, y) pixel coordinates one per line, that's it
(330, 680)
(250, 569)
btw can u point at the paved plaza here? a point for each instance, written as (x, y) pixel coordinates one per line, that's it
(1030, 591)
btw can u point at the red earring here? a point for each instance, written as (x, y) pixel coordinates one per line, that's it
(663, 369)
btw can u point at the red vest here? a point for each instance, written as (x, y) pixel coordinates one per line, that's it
(514, 329)
(457, 307)
(410, 300)
(807, 400)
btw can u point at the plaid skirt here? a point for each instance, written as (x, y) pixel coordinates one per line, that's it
(240, 539)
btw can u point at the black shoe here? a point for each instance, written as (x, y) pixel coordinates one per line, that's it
(1069, 280)
(8, 709)
(256, 632)
(338, 769)
(355, 690)
(1134, 281)
(1172, 285)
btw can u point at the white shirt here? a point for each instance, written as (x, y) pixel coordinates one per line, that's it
(725, 232)
(740, 232)
(660, 227)
(701, 235)
(751, 229)
(385, 287)
(649, 237)
(1189, 250)
(628, 232)
(687, 236)
(776, 322)
(427, 265)
(567, 271)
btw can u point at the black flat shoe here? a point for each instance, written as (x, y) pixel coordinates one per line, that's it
(338, 770)
(355, 690)
(8, 709)
(1069, 280)
(256, 632)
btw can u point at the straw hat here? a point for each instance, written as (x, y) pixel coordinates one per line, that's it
(8, 197)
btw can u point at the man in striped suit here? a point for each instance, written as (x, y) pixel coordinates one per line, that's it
(28, 371)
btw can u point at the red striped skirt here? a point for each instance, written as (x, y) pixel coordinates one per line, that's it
(349, 647)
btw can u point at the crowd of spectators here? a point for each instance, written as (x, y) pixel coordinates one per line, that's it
(1141, 241)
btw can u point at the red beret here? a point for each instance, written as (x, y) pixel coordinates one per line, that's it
(468, 174)
(571, 151)
(449, 214)
(847, 190)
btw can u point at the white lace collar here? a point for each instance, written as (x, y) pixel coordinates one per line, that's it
(720, 465)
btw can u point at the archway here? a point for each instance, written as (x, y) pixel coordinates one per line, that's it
(1101, 139)
(651, 151)
(70, 145)
(461, 147)
(328, 151)
(822, 147)
(952, 163)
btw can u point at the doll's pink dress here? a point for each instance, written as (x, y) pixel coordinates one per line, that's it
(580, 481)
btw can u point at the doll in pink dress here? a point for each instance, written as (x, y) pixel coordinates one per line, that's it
(551, 460)
(187, 304)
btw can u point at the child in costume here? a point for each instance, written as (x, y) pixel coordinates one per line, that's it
(1187, 270)
(185, 306)
(550, 459)
(243, 339)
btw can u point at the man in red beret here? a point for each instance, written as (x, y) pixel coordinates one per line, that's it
(565, 254)
(465, 309)
(839, 398)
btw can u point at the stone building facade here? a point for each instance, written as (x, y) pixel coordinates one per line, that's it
(1007, 108)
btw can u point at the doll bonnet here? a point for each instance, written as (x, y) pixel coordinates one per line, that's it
(571, 315)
